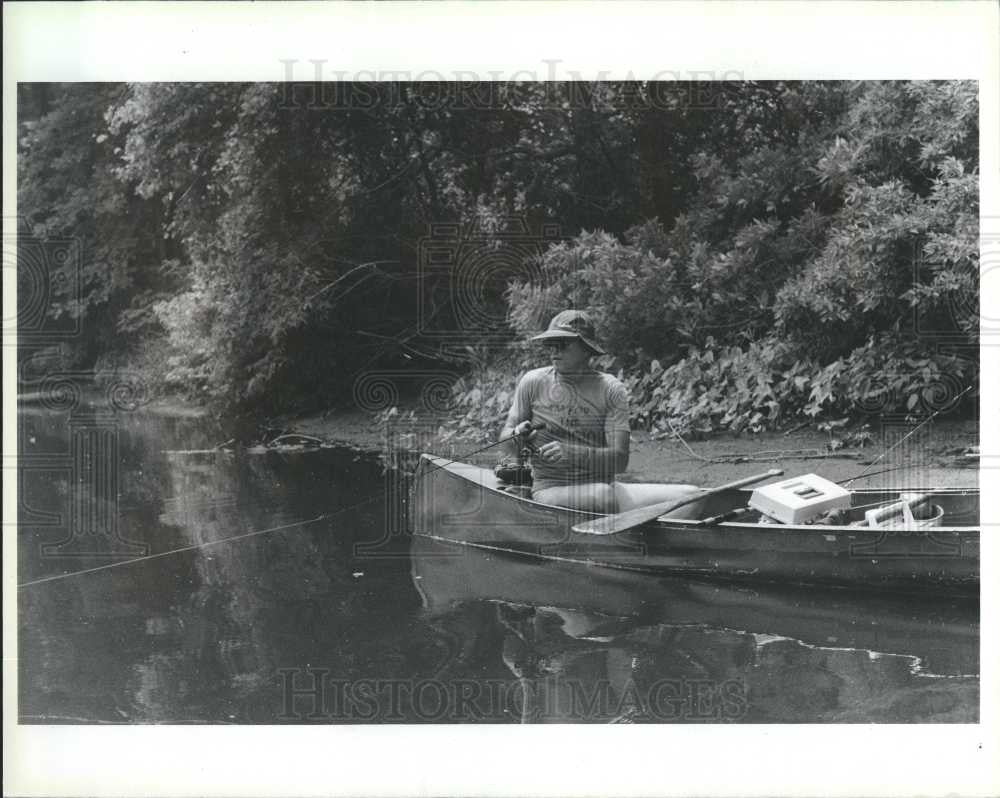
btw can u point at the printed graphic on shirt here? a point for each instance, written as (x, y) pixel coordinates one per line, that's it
(585, 410)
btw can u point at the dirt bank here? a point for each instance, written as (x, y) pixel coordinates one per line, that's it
(932, 456)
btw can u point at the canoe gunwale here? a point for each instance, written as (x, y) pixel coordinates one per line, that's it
(456, 468)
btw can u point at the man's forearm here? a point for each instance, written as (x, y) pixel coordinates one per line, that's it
(596, 460)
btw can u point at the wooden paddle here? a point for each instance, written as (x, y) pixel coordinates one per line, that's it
(610, 524)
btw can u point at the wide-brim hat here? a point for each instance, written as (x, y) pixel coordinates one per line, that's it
(572, 324)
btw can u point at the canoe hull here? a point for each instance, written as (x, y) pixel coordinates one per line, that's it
(463, 504)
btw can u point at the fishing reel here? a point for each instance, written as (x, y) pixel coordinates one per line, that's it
(519, 473)
(513, 473)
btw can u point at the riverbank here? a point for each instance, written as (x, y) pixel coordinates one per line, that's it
(934, 455)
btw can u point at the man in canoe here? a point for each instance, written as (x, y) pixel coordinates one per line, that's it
(584, 443)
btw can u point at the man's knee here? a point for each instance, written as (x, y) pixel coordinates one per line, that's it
(603, 498)
(634, 495)
(593, 497)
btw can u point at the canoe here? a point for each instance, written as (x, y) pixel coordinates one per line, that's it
(464, 503)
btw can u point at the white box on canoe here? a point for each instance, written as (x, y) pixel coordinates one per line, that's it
(800, 499)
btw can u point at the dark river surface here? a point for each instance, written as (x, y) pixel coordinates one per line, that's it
(286, 590)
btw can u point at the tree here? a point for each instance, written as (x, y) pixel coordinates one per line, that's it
(258, 245)
(68, 189)
(841, 243)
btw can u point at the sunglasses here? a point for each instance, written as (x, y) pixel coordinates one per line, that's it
(558, 343)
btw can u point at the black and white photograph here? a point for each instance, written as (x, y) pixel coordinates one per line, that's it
(476, 400)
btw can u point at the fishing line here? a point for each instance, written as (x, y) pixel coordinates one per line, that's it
(195, 547)
(873, 474)
(192, 547)
(929, 418)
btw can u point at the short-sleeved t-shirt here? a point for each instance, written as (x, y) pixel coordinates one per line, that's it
(585, 409)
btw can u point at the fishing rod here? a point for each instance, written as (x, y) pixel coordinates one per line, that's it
(931, 417)
(730, 515)
(849, 480)
(534, 426)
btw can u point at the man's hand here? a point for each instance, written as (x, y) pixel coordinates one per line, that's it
(551, 452)
(525, 430)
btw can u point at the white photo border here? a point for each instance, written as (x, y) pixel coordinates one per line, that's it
(154, 41)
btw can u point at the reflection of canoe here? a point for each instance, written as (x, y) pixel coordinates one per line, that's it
(462, 503)
(943, 632)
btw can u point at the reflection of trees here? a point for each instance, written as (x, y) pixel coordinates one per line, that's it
(72, 632)
(555, 668)
(585, 645)
(790, 680)
(568, 664)
(201, 635)
(288, 600)
(227, 629)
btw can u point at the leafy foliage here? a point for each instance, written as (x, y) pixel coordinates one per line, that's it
(753, 252)
(282, 238)
(68, 190)
(831, 269)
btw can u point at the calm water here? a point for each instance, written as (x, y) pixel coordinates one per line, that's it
(319, 608)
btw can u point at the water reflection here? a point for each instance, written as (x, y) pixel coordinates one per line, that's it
(340, 620)
(605, 645)
(202, 634)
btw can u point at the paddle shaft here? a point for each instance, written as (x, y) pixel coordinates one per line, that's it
(612, 524)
